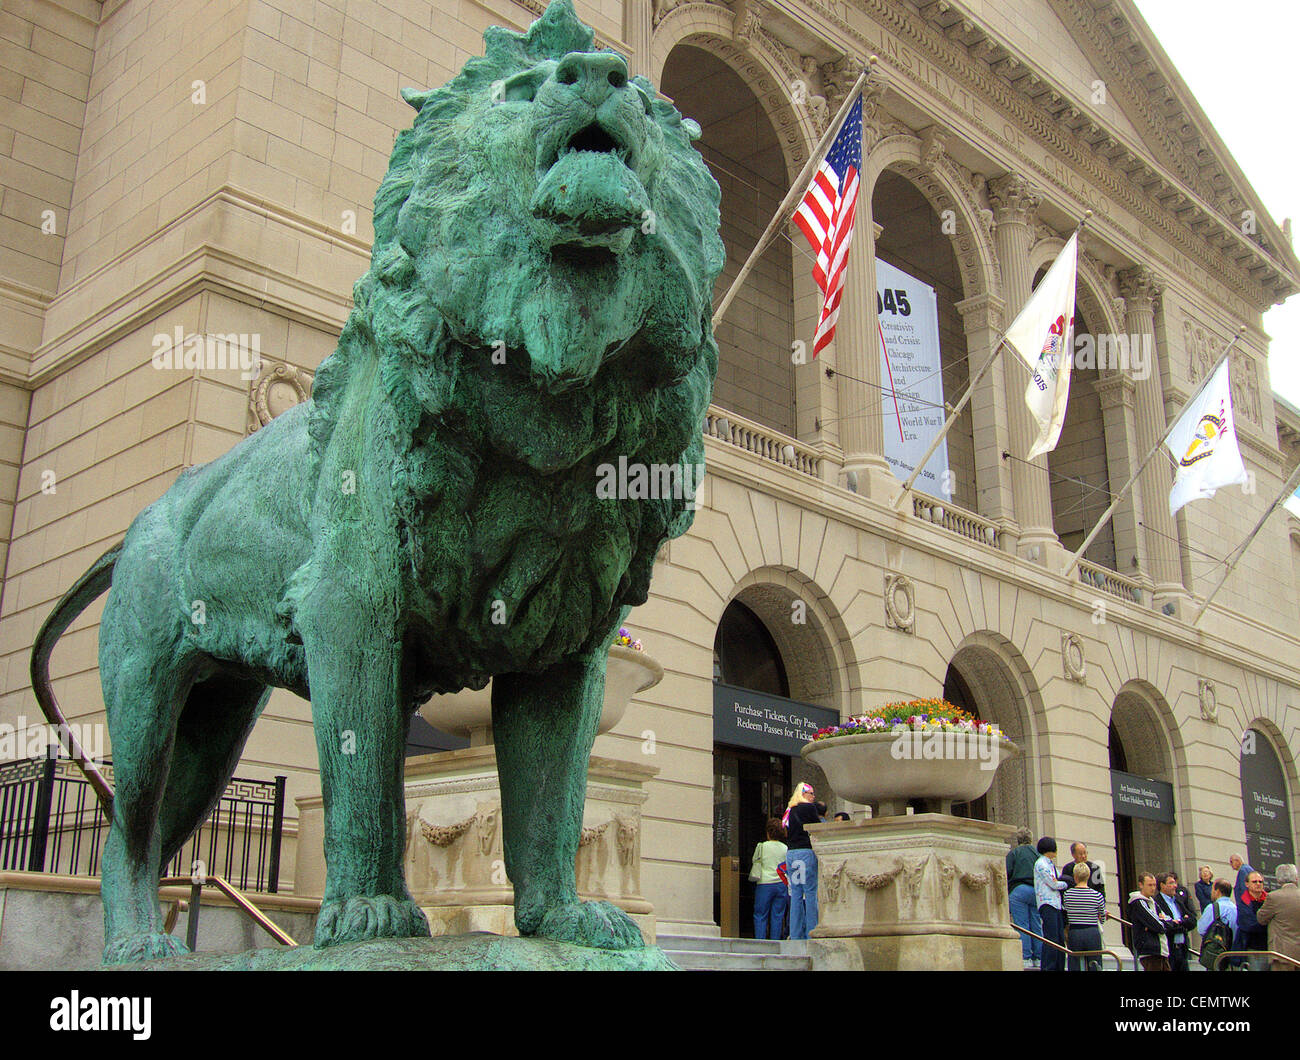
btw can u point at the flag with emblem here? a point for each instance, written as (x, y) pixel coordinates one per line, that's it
(825, 216)
(1203, 444)
(1043, 337)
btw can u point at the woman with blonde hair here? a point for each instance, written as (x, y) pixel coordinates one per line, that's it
(801, 862)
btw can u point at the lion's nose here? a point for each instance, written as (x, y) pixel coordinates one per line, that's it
(595, 75)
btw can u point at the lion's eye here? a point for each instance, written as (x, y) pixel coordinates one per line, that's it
(645, 96)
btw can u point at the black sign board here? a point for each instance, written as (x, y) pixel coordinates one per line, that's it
(743, 718)
(1134, 796)
(1264, 806)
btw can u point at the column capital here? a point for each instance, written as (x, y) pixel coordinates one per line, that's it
(1117, 389)
(1140, 287)
(1013, 198)
(981, 311)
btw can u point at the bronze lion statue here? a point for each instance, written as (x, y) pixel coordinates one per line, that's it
(537, 307)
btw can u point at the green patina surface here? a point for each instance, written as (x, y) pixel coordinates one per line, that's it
(454, 953)
(537, 307)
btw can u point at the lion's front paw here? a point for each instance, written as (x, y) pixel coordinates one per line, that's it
(379, 916)
(598, 924)
(147, 947)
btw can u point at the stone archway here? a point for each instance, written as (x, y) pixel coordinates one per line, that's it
(1144, 742)
(987, 677)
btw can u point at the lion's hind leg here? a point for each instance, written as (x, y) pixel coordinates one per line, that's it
(143, 703)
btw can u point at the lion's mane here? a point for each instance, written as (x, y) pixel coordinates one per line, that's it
(494, 468)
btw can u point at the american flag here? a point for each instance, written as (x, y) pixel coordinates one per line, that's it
(826, 218)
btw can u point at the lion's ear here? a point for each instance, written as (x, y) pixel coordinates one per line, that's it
(416, 97)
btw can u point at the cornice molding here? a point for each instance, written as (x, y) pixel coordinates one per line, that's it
(997, 93)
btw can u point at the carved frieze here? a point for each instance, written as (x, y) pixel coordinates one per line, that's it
(1203, 348)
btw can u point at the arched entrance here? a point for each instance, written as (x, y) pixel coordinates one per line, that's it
(980, 680)
(1142, 787)
(764, 662)
(755, 370)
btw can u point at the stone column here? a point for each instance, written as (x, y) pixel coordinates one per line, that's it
(1014, 202)
(638, 27)
(1118, 394)
(1140, 289)
(858, 358)
(983, 319)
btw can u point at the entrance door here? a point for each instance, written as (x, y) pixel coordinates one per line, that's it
(748, 788)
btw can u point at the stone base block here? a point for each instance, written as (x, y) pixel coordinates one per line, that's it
(500, 920)
(465, 953)
(915, 953)
(918, 892)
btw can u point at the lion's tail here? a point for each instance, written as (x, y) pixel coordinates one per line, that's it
(88, 587)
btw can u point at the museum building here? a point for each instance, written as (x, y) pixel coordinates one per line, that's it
(208, 169)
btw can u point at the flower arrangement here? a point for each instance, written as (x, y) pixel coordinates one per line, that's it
(935, 715)
(624, 638)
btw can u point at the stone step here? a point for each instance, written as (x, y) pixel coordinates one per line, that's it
(708, 953)
(716, 961)
(725, 945)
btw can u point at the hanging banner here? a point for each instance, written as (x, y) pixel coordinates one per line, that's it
(911, 377)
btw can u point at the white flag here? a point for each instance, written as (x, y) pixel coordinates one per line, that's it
(1203, 444)
(1292, 504)
(1043, 336)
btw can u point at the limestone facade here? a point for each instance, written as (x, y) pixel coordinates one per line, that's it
(207, 168)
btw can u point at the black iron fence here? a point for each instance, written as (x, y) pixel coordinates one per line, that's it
(51, 821)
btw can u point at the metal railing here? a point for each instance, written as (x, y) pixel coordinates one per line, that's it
(195, 903)
(1069, 952)
(1253, 953)
(51, 821)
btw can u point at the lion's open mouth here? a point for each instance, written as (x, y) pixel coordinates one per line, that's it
(593, 138)
(589, 192)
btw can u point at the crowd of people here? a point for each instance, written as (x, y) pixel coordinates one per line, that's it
(1067, 907)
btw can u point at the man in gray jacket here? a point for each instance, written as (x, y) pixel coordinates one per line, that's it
(1281, 913)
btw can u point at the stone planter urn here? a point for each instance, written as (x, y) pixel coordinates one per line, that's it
(469, 712)
(915, 891)
(884, 770)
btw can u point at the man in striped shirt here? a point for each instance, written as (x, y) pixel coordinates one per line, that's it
(1085, 911)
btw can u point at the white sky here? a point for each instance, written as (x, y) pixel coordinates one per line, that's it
(1239, 60)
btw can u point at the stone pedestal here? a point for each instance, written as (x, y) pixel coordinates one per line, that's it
(913, 893)
(454, 861)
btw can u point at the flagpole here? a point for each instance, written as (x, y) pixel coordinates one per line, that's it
(1105, 516)
(796, 192)
(1240, 551)
(970, 392)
